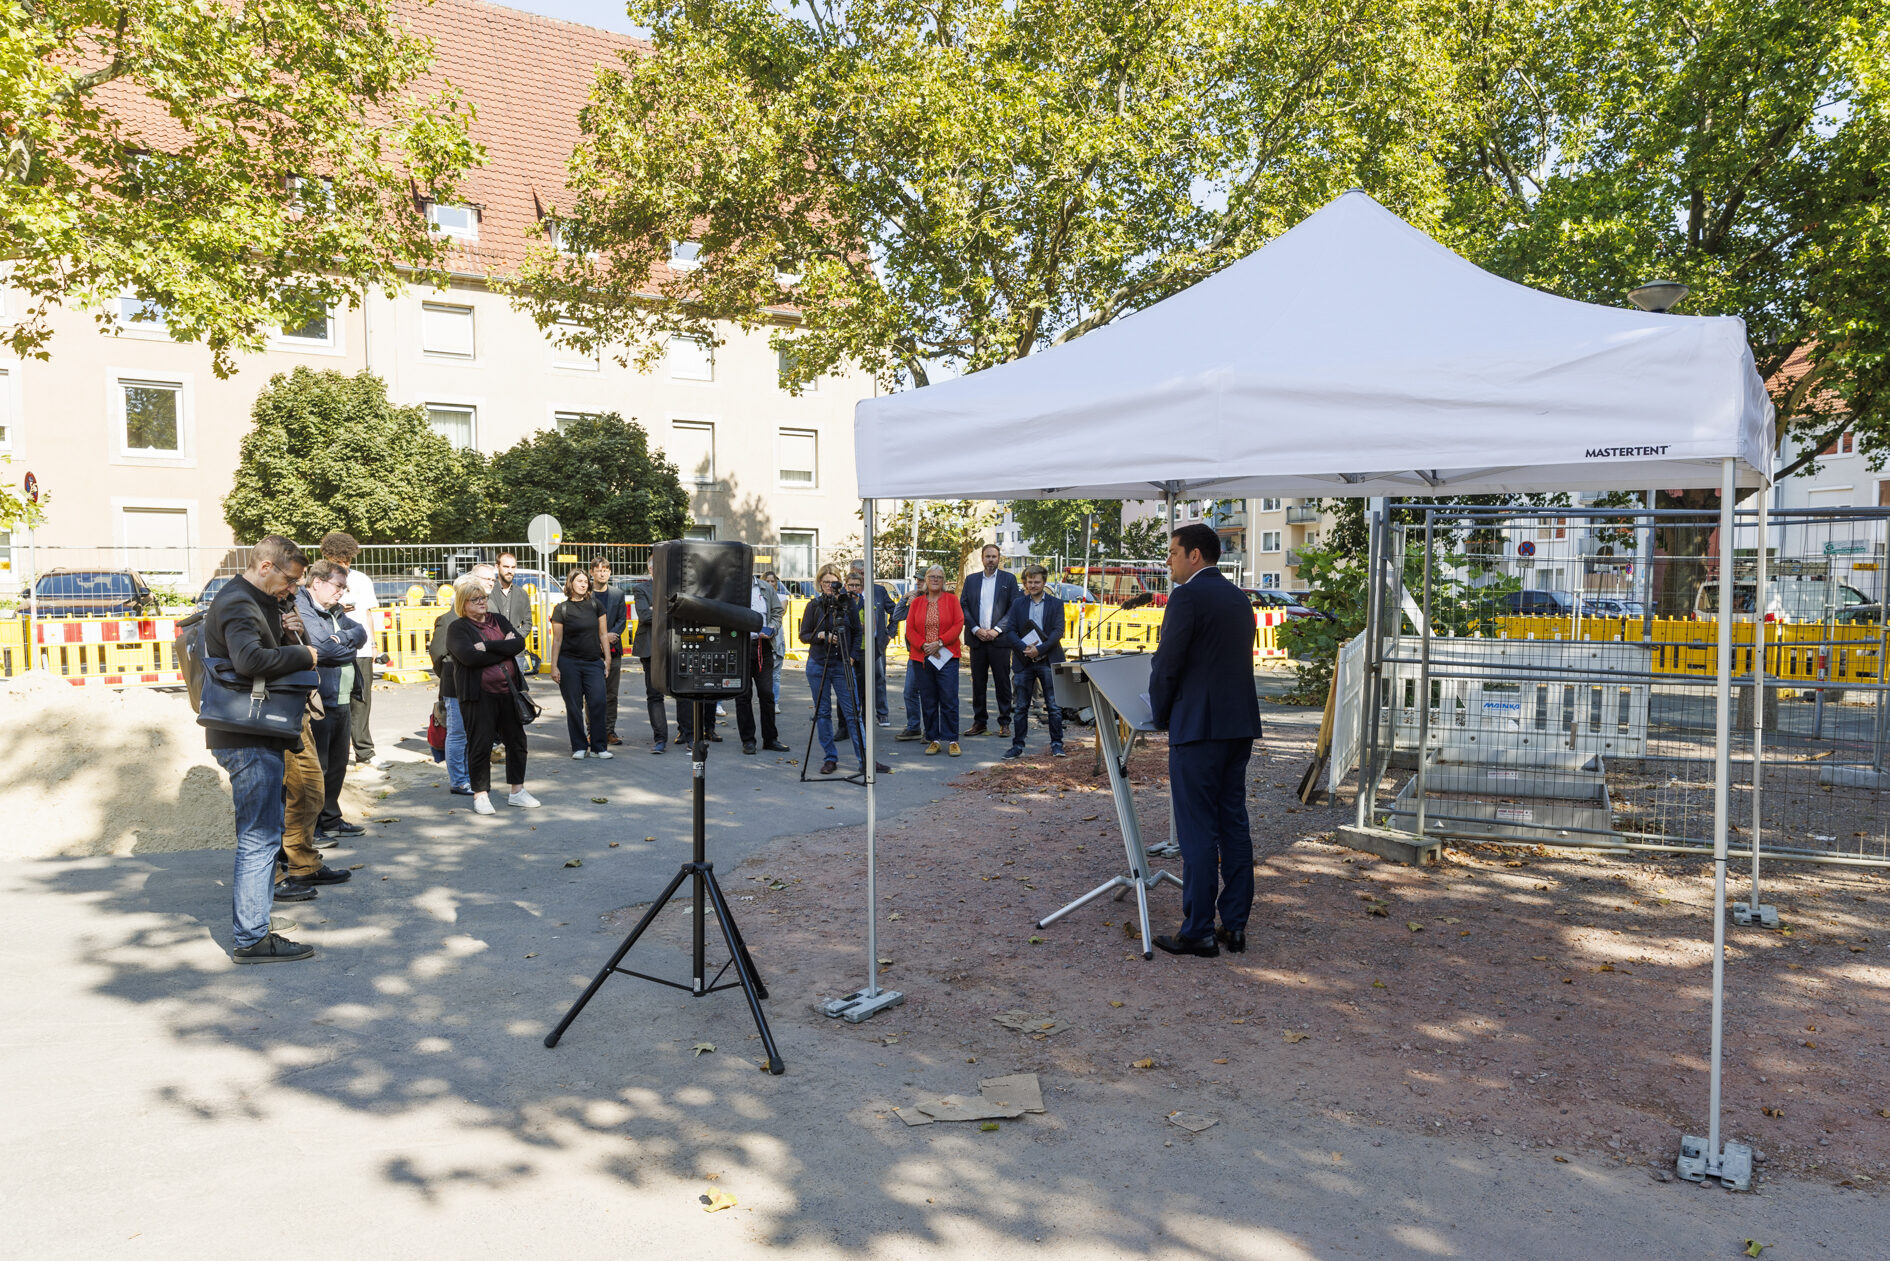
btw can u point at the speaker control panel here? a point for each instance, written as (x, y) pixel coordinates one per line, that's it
(706, 661)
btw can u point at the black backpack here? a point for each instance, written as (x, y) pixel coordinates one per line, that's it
(190, 636)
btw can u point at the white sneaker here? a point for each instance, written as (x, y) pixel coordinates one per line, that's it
(379, 763)
(721, 712)
(482, 804)
(522, 799)
(580, 755)
(606, 755)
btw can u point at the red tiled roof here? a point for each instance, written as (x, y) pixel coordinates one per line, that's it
(527, 76)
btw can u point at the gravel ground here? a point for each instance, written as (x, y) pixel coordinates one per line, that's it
(1556, 1002)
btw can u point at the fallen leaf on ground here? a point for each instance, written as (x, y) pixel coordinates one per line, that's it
(600, 801)
(701, 1047)
(574, 862)
(1561, 1160)
(895, 915)
(1115, 1002)
(1414, 926)
(716, 1201)
(1145, 1063)
(387, 820)
(1295, 1036)
(1220, 1061)
(988, 1126)
(356, 866)
(649, 838)
(1754, 1247)
(615, 844)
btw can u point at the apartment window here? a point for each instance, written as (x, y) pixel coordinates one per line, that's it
(152, 418)
(799, 550)
(307, 192)
(559, 233)
(703, 532)
(457, 423)
(785, 363)
(692, 449)
(142, 317)
(315, 333)
(799, 459)
(685, 255)
(690, 359)
(564, 420)
(6, 409)
(1883, 493)
(1269, 540)
(1270, 581)
(449, 219)
(446, 331)
(1269, 505)
(155, 540)
(1847, 443)
(565, 355)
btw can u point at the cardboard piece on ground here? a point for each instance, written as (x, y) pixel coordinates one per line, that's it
(1017, 1088)
(1190, 1122)
(969, 1108)
(1027, 1022)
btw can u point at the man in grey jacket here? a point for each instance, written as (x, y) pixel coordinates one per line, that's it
(509, 598)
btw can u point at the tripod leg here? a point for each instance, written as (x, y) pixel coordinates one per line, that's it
(739, 944)
(744, 971)
(597, 982)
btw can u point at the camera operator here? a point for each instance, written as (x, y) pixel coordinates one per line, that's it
(831, 625)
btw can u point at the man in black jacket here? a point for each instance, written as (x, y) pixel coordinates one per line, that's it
(610, 598)
(244, 626)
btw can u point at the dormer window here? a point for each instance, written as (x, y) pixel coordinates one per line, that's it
(685, 255)
(562, 236)
(311, 192)
(451, 219)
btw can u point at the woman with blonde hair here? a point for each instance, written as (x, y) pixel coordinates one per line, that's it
(934, 628)
(485, 647)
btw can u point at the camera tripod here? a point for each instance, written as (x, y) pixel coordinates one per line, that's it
(701, 873)
(833, 620)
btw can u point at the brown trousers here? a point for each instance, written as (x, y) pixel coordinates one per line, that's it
(306, 788)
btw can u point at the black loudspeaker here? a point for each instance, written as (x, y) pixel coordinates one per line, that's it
(699, 594)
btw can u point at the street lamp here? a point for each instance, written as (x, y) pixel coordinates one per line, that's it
(1658, 296)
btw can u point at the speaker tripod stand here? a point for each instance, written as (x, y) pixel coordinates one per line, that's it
(700, 872)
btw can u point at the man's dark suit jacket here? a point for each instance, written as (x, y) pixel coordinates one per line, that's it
(971, 597)
(1200, 684)
(1016, 623)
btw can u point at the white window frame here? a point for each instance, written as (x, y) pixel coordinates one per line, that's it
(780, 370)
(474, 405)
(685, 476)
(569, 359)
(781, 434)
(10, 402)
(781, 547)
(1269, 505)
(472, 323)
(144, 330)
(297, 183)
(556, 413)
(1270, 540)
(121, 543)
(685, 255)
(186, 454)
(669, 365)
(473, 214)
(331, 345)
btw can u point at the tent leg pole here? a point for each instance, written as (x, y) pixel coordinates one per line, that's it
(1752, 912)
(1701, 1159)
(1368, 682)
(1424, 671)
(870, 999)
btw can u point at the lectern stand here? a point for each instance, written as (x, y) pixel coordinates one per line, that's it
(1117, 688)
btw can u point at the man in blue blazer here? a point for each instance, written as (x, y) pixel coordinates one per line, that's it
(1201, 689)
(986, 598)
(1033, 631)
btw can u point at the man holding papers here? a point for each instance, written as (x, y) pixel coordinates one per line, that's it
(1033, 631)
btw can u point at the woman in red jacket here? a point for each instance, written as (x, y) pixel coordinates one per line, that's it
(933, 629)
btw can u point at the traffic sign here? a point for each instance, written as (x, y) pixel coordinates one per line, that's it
(31, 487)
(1525, 548)
(545, 534)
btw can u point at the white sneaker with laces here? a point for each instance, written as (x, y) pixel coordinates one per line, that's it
(606, 755)
(482, 804)
(379, 763)
(522, 799)
(580, 755)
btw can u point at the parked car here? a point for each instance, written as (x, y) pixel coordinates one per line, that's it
(210, 590)
(1072, 593)
(1789, 598)
(1862, 615)
(1537, 604)
(1605, 607)
(94, 593)
(1284, 602)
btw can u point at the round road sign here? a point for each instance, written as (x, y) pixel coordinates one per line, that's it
(545, 534)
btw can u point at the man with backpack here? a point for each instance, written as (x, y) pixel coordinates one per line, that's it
(244, 627)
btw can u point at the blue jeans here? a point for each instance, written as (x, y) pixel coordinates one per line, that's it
(582, 685)
(914, 714)
(780, 659)
(256, 779)
(826, 675)
(458, 768)
(880, 710)
(938, 699)
(1028, 676)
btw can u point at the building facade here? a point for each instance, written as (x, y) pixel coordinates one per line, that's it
(135, 440)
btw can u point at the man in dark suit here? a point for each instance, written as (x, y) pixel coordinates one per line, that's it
(1033, 631)
(1201, 689)
(987, 597)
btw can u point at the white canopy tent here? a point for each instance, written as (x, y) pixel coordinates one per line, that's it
(1353, 356)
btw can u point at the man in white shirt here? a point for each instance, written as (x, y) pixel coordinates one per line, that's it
(986, 599)
(361, 607)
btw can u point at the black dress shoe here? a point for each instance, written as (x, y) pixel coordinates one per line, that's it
(326, 875)
(829, 767)
(977, 729)
(345, 828)
(1202, 947)
(775, 746)
(748, 746)
(880, 768)
(1236, 943)
(293, 890)
(462, 790)
(324, 841)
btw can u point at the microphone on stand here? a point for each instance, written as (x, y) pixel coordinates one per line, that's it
(1133, 602)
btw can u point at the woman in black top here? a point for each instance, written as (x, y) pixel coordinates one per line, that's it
(577, 666)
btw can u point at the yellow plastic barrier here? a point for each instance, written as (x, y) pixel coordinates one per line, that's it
(100, 651)
(1795, 652)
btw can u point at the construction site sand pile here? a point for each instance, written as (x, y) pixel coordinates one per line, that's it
(96, 770)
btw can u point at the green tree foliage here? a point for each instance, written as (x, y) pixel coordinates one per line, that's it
(598, 476)
(1055, 526)
(971, 182)
(239, 167)
(329, 452)
(951, 533)
(1739, 146)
